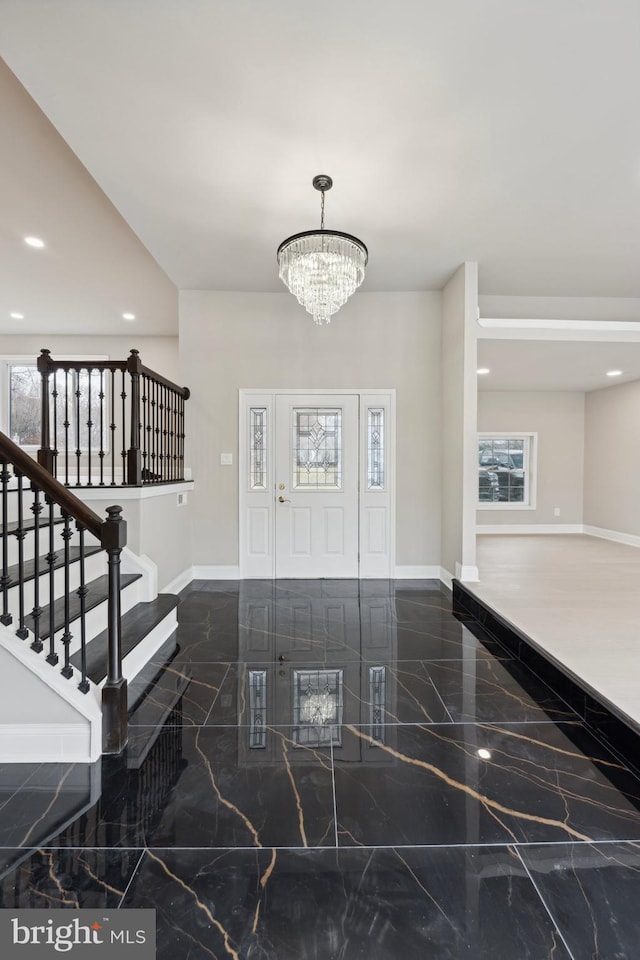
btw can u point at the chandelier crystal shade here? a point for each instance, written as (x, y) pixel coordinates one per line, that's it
(322, 268)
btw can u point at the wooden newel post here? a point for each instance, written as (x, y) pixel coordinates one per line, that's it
(113, 537)
(134, 453)
(45, 453)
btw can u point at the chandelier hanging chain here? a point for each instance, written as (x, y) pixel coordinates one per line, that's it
(322, 211)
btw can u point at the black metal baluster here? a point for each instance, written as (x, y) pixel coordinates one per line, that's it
(145, 429)
(167, 462)
(22, 631)
(67, 424)
(112, 428)
(176, 400)
(89, 425)
(167, 441)
(5, 477)
(83, 686)
(54, 441)
(161, 432)
(36, 613)
(169, 435)
(153, 429)
(158, 431)
(123, 432)
(52, 656)
(101, 453)
(67, 533)
(77, 427)
(180, 421)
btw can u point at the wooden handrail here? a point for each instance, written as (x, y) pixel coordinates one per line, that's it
(183, 392)
(50, 486)
(131, 361)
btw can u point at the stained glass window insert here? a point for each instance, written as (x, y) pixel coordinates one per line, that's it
(257, 709)
(258, 448)
(317, 448)
(375, 448)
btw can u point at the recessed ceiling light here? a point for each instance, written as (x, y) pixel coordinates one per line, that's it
(34, 242)
(614, 373)
(484, 754)
(483, 370)
(128, 316)
(17, 316)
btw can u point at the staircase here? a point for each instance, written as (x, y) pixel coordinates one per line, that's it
(79, 620)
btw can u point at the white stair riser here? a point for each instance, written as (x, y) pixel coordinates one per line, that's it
(140, 656)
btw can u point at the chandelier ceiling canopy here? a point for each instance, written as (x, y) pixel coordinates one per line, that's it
(322, 268)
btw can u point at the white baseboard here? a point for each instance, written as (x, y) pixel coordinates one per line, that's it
(180, 582)
(629, 538)
(467, 572)
(46, 743)
(216, 572)
(416, 572)
(446, 577)
(530, 528)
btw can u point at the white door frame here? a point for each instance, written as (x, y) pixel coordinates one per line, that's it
(377, 521)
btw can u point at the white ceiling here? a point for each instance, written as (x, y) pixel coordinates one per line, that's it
(502, 131)
(555, 365)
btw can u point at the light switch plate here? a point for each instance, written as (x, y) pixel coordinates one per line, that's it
(226, 459)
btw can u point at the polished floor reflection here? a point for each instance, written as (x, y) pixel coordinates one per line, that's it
(336, 770)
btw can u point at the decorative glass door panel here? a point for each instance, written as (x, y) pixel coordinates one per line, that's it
(317, 448)
(316, 476)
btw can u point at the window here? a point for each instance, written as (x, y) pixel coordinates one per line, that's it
(506, 470)
(24, 404)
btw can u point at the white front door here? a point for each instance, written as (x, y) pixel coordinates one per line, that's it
(316, 476)
(316, 480)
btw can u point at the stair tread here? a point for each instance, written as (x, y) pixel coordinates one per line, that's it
(136, 624)
(29, 565)
(28, 524)
(97, 593)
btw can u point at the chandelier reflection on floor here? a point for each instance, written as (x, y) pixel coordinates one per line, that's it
(318, 707)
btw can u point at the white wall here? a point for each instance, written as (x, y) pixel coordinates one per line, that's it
(612, 459)
(384, 340)
(158, 528)
(558, 419)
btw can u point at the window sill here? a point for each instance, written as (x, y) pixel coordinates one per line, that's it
(503, 505)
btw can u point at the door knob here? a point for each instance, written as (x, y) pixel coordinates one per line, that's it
(282, 499)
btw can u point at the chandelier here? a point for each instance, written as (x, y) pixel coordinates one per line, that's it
(322, 268)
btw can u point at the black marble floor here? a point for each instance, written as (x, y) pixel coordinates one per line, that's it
(335, 770)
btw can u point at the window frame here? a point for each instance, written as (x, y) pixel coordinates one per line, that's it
(529, 466)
